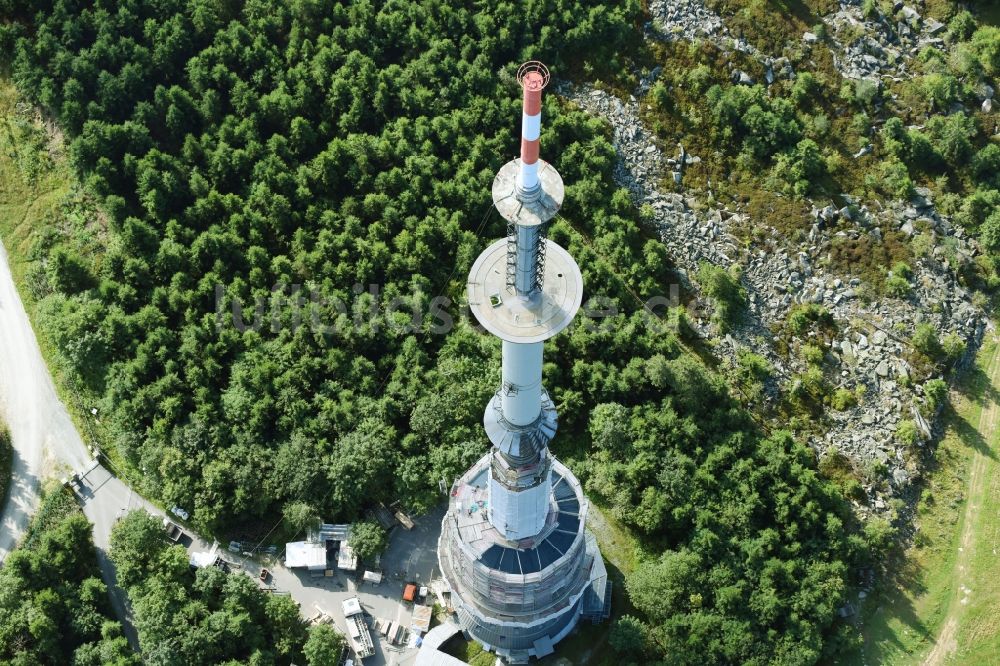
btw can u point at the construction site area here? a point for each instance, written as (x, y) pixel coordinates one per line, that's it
(383, 610)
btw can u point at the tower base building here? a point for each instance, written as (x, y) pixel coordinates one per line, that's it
(514, 548)
(520, 598)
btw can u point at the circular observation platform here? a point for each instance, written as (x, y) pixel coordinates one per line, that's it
(534, 208)
(521, 319)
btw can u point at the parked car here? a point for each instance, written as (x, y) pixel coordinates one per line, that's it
(74, 480)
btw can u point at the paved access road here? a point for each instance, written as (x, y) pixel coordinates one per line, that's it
(41, 430)
(105, 499)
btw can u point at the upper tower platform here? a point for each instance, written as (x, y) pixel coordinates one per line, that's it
(525, 289)
(516, 318)
(528, 210)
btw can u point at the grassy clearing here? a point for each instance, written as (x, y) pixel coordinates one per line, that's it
(470, 652)
(978, 637)
(34, 179)
(956, 543)
(40, 196)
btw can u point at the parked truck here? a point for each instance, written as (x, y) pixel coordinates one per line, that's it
(174, 533)
(357, 629)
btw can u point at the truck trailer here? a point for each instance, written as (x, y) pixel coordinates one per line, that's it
(357, 629)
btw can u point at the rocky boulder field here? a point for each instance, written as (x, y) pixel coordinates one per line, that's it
(870, 349)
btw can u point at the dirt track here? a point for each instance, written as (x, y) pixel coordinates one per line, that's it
(946, 641)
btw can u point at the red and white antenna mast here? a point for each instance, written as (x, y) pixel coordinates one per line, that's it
(533, 77)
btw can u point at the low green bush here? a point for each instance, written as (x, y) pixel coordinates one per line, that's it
(724, 289)
(812, 354)
(985, 44)
(843, 399)
(936, 393)
(802, 316)
(803, 167)
(961, 26)
(907, 432)
(894, 179)
(953, 347)
(925, 340)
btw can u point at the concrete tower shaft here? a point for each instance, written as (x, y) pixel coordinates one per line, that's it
(514, 548)
(524, 289)
(521, 390)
